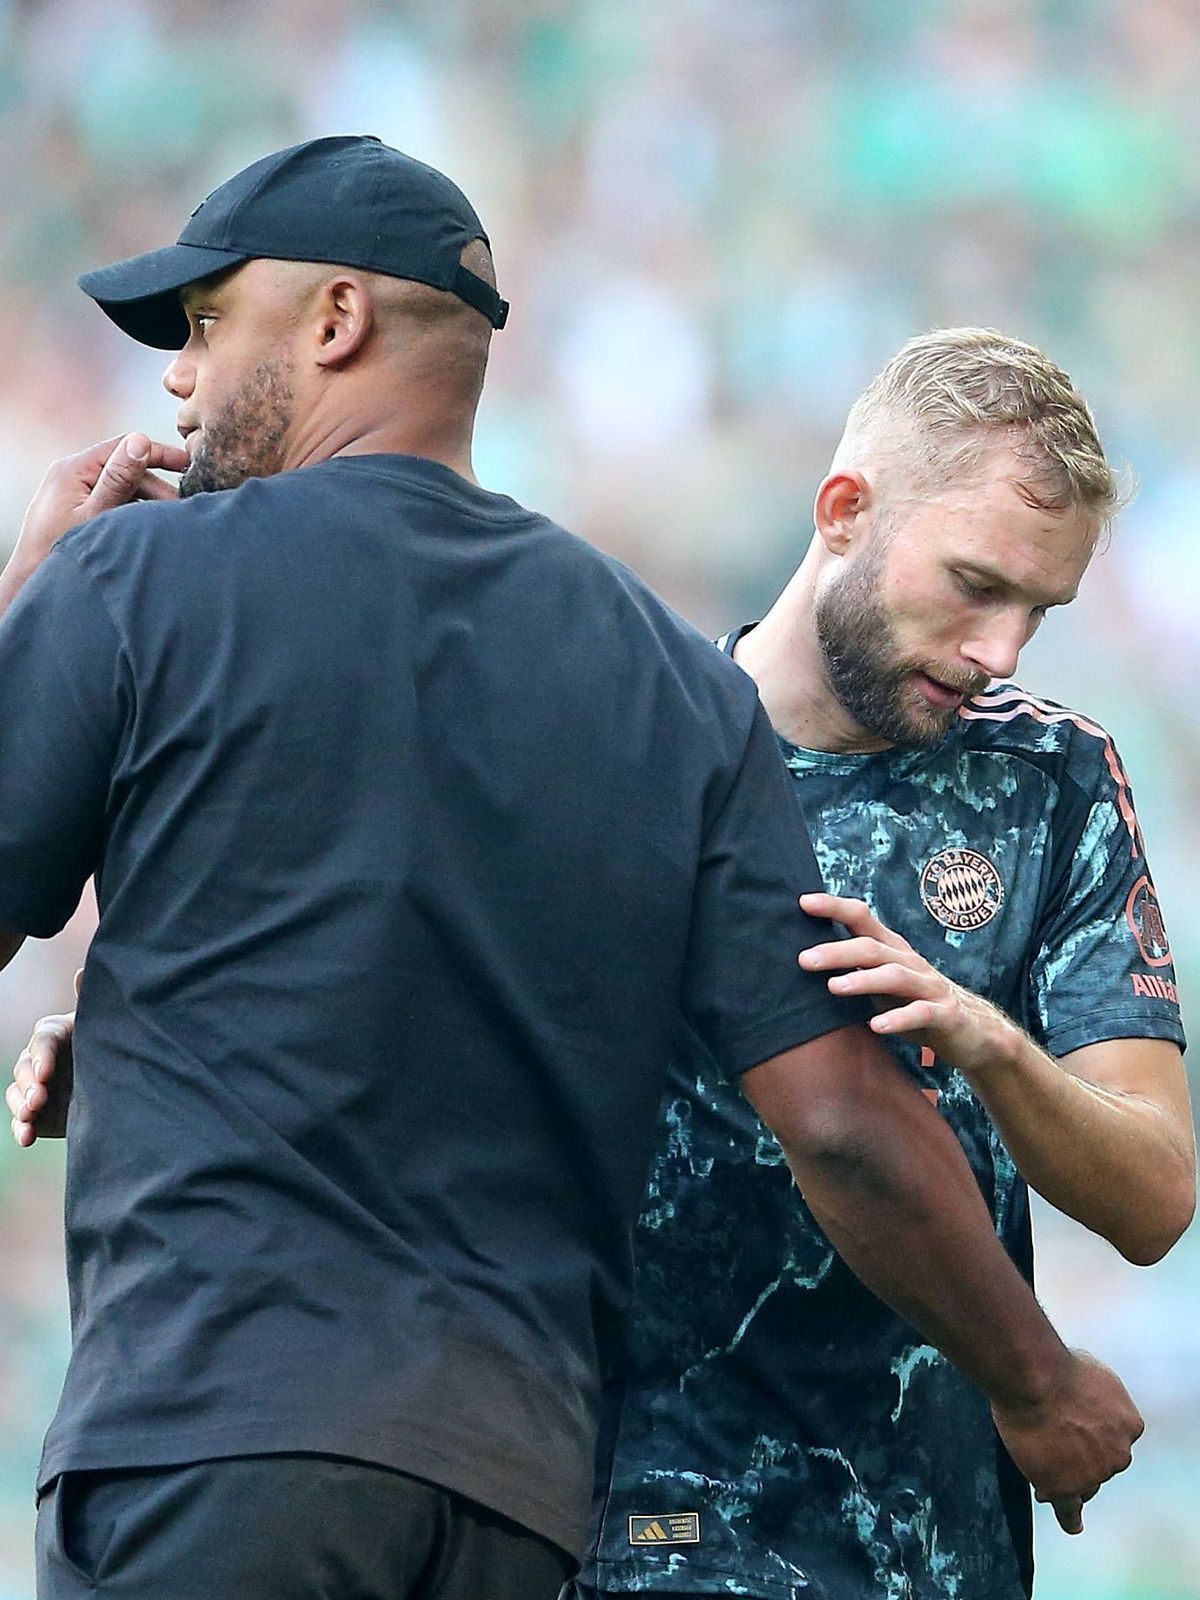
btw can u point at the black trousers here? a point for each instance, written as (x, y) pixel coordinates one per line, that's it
(281, 1528)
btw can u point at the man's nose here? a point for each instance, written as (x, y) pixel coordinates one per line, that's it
(997, 650)
(179, 379)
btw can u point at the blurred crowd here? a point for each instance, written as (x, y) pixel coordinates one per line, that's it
(714, 219)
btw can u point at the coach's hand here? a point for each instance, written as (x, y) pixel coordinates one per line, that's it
(1080, 1434)
(78, 487)
(40, 1092)
(962, 1028)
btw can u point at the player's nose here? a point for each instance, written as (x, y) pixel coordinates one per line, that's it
(997, 651)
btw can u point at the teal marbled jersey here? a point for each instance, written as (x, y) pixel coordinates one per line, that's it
(778, 1431)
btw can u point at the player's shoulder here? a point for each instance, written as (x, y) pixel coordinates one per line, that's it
(1006, 717)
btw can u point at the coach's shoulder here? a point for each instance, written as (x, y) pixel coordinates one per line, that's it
(694, 652)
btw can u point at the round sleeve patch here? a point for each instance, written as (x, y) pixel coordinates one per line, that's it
(1144, 915)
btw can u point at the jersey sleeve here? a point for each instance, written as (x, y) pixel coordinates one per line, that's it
(64, 698)
(1103, 968)
(744, 992)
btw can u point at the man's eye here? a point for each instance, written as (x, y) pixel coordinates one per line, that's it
(973, 591)
(202, 319)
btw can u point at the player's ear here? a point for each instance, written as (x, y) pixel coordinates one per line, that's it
(842, 499)
(342, 318)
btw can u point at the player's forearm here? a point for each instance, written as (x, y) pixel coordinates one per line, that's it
(1115, 1161)
(889, 1184)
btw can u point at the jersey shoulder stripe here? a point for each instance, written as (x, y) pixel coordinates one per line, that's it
(1009, 705)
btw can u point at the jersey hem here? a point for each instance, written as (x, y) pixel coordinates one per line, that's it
(620, 1577)
(608, 1577)
(1102, 1027)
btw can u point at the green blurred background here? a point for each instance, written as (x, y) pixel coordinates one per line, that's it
(715, 220)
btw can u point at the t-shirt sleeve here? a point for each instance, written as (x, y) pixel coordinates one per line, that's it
(64, 698)
(744, 992)
(1103, 968)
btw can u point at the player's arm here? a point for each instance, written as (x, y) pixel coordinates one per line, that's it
(1104, 1132)
(78, 487)
(888, 1183)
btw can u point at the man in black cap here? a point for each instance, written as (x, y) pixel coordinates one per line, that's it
(417, 827)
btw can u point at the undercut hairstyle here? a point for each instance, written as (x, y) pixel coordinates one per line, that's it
(440, 334)
(949, 396)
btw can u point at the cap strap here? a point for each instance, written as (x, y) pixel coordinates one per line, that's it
(470, 287)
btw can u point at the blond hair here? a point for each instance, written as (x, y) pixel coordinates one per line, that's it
(956, 390)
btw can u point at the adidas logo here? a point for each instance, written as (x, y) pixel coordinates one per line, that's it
(677, 1528)
(652, 1533)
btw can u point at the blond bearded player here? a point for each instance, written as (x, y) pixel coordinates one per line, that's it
(782, 1434)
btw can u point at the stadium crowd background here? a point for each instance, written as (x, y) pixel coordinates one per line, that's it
(715, 219)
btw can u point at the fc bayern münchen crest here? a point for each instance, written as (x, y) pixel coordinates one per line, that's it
(962, 889)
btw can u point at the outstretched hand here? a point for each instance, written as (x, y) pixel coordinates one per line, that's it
(962, 1028)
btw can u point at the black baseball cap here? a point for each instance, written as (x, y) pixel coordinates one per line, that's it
(351, 201)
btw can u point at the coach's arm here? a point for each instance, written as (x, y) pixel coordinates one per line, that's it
(889, 1184)
(113, 473)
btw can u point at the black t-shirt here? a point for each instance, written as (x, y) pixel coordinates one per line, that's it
(416, 825)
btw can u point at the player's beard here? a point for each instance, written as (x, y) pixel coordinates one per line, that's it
(866, 669)
(247, 438)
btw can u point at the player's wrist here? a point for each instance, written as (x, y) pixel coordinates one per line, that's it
(998, 1046)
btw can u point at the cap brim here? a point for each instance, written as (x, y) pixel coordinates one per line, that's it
(141, 295)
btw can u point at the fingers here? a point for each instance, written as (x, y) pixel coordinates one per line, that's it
(856, 915)
(918, 1017)
(861, 952)
(120, 477)
(1069, 1512)
(25, 1097)
(891, 979)
(152, 488)
(84, 465)
(28, 1095)
(50, 1035)
(123, 476)
(38, 1061)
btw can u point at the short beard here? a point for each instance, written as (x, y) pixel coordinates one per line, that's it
(248, 436)
(864, 665)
